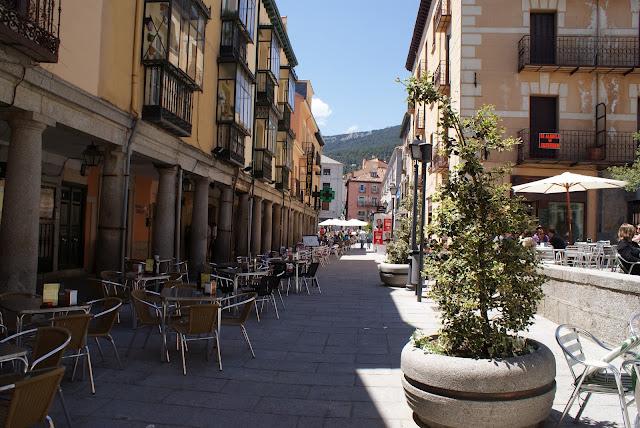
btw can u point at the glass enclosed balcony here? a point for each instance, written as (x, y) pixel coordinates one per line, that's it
(287, 96)
(231, 144)
(235, 96)
(263, 165)
(32, 27)
(266, 129)
(284, 159)
(173, 57)
(269, 52)
(242, 13)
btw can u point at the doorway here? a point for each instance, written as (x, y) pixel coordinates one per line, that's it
(543, 38)
(71, 245)
(543, 117)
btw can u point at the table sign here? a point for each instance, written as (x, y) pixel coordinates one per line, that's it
(148, 265)
(205, 278)
(210, 287)
(71, 297)
(50, 294)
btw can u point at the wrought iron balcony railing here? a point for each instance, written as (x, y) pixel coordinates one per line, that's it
(231, 144)
(262, 165)
(266, 90)
(168, 97)
(575, 53)
(442, 15)
(580, 146)
(284, 124)
(282, 178)
(420, 120)
(441, 76)
(32, 27)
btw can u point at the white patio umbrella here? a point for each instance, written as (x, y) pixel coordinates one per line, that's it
(354, 222)
(569, 182)
(331, 222)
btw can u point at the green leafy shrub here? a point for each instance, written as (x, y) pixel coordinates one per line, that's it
(487, 286)
(399, 249)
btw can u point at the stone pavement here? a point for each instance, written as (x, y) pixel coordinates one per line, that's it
(331, 360)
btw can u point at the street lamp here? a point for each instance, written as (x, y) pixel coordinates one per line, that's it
(393, 189)
(420, 152)
(91, 156)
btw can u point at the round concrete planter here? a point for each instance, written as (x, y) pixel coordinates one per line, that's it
(394, 275)
(456, 392)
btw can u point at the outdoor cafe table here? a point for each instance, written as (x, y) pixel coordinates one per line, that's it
(25, 306)
(239, 275)
(141, 280)
(180, 296)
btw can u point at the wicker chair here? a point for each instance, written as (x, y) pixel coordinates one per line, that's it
(201, 323)
(148, 310)
(47, 350)
(102, 323)
(246, 302)
(31, 398)
(78, 326)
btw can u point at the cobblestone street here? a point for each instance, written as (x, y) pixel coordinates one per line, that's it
(331, 360)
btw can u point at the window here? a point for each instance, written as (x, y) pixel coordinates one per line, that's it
(362, 213)
(361, 201)
(326, 185)
(269, 51)
(363, 188)
(374, 174)
(374, 201)
(266, 129)
(235, 96)
(287, 86)
(374, 188)
(326, 171)
(245, 13)
(325, 206)
(178, 39)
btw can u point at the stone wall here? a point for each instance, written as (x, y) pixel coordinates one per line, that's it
(598, 301)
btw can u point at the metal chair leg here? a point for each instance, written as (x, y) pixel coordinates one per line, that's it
(64, 407)
(99, 349)
(246, 337)
(115, 350)
(582, 406)
(281, 299)
(218, 349)
(575, 394)
(184, 362)
(275, 306)
(88, 357)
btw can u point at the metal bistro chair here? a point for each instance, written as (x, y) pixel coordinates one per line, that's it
(626, 266)
(31, 398)
(47, 350)
(148, 310)
(201, 323)
(78, 326)
(265, 293)
(102, 323)
(593, 376)
(311, 275)
(246, 302)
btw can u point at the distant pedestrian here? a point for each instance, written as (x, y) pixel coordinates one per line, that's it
(556, 241)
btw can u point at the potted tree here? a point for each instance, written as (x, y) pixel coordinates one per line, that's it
(394, 271)
(478, 370)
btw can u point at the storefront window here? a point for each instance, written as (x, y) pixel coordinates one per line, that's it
(554, 216)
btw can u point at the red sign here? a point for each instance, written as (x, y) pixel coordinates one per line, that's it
(549, 140)
(377, 237)
(387, 225)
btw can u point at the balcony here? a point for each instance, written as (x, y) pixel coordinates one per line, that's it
(282, 178)
(263, 165)
(168, 98)
(441, 77)
(439, 163)
(284, 124)
(231, 142)
(32, 27)
(580, 146)
(580, 53)
(420, 120)
(266, 90)
(442, 15)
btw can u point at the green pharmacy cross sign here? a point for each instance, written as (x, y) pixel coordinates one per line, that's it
(327, 194)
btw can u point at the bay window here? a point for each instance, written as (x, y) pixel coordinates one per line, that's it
(235, 96)
(287, 87)
(244, 13)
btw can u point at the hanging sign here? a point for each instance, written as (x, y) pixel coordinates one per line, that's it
(377, 237)
(387, 225)
(549, 140)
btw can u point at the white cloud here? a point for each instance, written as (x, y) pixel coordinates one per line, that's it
(352, 129)
(321, 111)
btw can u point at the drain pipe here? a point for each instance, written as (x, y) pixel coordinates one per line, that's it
(125, 194)
(178, 217)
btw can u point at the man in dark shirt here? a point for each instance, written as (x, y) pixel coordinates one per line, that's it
(556, 241)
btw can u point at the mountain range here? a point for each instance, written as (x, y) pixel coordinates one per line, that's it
(350, 149)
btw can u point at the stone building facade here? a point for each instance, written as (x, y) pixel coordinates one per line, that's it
(364, 189)
(138, 128)
(568, 68)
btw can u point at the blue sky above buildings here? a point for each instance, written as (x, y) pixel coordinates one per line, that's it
(352, 51)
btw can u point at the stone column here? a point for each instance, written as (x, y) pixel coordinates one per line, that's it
(199, 225)
(256, 227)
(286, 236)
(164, 225)
(243, 230)
(110, 216)
(225, 220)
(267, 227)
(20, 229)
(295, 226)
(277, 227)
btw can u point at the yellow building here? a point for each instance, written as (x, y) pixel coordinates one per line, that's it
(568, 68)
(144, 127)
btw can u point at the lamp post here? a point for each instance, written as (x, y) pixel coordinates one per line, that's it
(420, 151)
(393, 189)
(415, 156)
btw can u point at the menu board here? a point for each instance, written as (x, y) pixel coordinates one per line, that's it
(50, 294)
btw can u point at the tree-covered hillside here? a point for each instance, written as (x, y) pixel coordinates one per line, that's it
(350, 149)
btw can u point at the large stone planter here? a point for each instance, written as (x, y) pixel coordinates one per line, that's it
(394, 275)
(456, 392)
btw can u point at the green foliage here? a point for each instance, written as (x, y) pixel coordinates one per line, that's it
(399, 249)
(350, 149)
(486, 286)
(629, 173)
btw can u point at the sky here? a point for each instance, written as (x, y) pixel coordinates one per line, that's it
(352, 51)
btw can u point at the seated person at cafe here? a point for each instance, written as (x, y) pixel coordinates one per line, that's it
(556, 240)
(539, 237)
(636, 237)
(627, 249)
